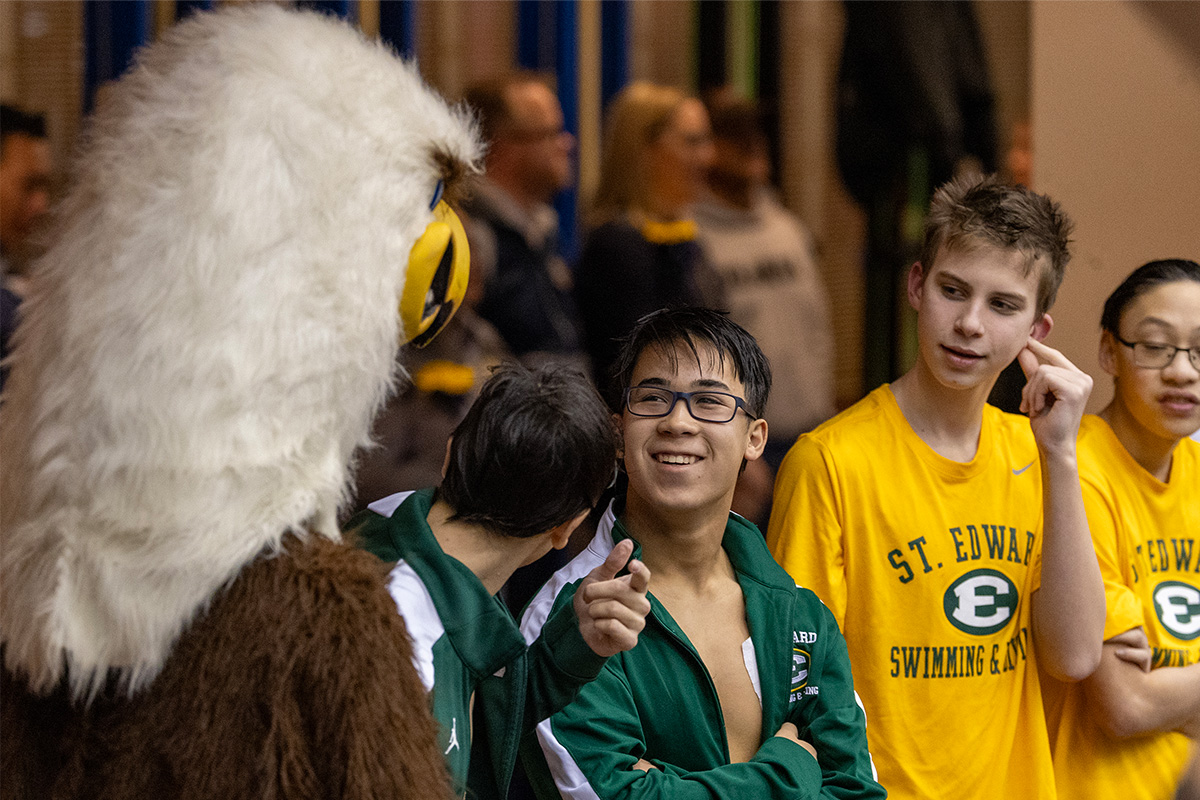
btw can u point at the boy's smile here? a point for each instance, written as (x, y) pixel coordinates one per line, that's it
(976, 310)
(678, 462)
(681, 459)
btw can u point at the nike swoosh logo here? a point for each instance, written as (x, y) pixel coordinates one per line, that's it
(1022, 469)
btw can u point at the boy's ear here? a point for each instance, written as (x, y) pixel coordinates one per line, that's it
(1108, 354)
(560, 535)
(916, 284)
(1042, 328)
(618, 421)
(757, 441)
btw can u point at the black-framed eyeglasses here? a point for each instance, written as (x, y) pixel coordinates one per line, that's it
(705, 406)
(1153, 355)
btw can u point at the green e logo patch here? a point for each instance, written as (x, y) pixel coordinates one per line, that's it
(980, 602)
(1178, 607)
(800, 661)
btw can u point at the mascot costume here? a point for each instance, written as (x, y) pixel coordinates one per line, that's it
(256, 223)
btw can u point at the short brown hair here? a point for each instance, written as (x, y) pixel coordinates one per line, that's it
(736, 119)
(988, 211)
(489, 100)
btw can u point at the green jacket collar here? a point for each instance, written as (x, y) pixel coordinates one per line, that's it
(770, 595)
(478, 625)
(742, 542)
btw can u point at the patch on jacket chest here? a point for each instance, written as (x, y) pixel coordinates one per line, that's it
(802, 642)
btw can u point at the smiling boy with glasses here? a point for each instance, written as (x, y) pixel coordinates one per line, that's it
(740, 682)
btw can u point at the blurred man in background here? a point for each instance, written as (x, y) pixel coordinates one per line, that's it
(513, 228)
(24, 199)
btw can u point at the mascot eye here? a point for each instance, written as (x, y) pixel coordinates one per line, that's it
(438, 271)
(437, 195)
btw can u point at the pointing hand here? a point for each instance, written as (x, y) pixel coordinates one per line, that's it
(611, 610)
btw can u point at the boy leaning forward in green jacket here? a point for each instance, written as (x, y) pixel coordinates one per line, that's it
(740, 685)
(531, 458)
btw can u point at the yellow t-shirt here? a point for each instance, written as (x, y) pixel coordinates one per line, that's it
(1146, 534)
(928, 565)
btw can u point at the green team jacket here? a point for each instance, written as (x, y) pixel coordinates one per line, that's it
(465, 642)
(658, 702)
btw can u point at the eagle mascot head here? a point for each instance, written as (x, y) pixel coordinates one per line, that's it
(214, 325)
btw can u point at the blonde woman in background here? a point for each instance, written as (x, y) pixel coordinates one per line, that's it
(640, 253)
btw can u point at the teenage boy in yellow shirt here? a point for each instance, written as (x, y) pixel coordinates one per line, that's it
(949, 538)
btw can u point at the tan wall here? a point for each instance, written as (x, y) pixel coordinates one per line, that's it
(662, 41)
(461, 43)
(809, 177)
(9, 22)
(1116, 138)
(1005, 28)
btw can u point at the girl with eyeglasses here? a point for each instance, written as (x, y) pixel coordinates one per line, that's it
(1124, 732)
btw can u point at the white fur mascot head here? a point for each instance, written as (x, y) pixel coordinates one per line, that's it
(206, 341)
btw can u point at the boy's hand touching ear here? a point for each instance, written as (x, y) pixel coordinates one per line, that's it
(611, 610)
(1054, 396)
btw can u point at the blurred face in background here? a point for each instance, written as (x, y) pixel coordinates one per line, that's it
(24, 188)
(739, 169)
(537, 141)
(679, 158)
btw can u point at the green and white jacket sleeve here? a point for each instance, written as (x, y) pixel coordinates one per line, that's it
(833, 718)
(598, 741)
(560, 662)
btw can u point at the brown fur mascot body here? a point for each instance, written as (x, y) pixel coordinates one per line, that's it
(202, 349)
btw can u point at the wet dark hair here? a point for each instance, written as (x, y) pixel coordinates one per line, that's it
(975, 209)
(669, 327)
(536, 449)
(1142, 280)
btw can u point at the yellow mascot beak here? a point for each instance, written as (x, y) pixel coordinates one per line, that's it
(438, 268)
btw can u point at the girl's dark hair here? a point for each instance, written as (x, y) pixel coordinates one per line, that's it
(1142, 280)
(535, 450)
